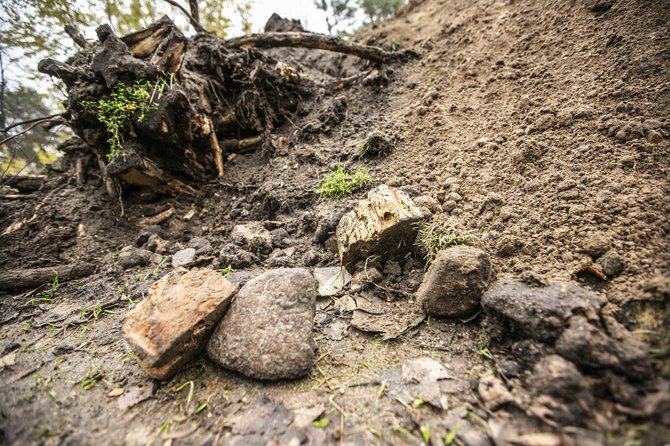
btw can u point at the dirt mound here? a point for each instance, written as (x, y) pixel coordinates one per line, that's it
(540, 129)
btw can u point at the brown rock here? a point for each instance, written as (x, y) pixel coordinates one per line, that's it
(382, 223)
(170, 327)
(455, 282)
(597, 245)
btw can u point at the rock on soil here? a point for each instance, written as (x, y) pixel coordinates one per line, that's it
(569, 315)
(253, 237)
(267, 333)
(170, 327)
(455, 282)
(183, 257)
(532, 310)
(130, 257)
(382, 223)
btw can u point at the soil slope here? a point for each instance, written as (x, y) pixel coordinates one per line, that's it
(540, 128)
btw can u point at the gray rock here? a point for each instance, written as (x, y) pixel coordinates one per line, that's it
(280, 237)
(130, 257)
(535, 310)
(252, 237)
(235, 257)
(311, 258)
(611, 263)
(267, 332)
(183, 257)
(201, 245)
(553, 375)
(455, 282)
(614, 347)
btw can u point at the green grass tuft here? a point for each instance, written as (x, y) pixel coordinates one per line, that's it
(432, 238)
(341, 183)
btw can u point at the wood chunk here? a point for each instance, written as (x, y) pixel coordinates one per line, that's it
(382, 223)
(30, 278)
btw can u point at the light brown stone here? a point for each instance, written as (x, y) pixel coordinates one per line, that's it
(172, 325)
(382, 223)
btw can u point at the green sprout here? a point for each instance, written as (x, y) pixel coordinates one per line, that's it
(225, 271)
(342, 183)
(90, 380)
(116, 110)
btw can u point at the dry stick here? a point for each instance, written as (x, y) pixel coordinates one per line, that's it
(214, 142)
(191, 19)
(76, 36)
(311, 41)
(31, 121)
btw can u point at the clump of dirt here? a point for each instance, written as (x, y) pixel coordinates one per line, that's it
(534, 127)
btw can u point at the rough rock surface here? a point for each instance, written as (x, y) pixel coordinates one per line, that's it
(130, 257)
(253, 237)
(171, 326)
(183, 257)
(382, 223)
(537, 311)
(613, 347)
(571, 317)
(455, 282)
(267, 334)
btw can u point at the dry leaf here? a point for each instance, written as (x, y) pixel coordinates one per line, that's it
(116, 392)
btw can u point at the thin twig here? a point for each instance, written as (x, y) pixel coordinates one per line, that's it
(29, 121)
(198, 27)
(27, 129)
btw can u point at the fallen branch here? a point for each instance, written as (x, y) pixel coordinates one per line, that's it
(29, 278)
(25, 183)
(312, 41)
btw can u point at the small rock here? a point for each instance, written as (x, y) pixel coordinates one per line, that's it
(267, 333)
(428, 205)
(311, 258)
(382, 223)
(169, 328)
(613, 348)
(455, 282)
(393, 268)
(183, 257)
(654, 137)
(557, 377)
(536, 311)
(544, 122)
(493, 392)
(235, 257)
(611, 263)
(596, 245)
(201, 245)
(454, 197)
(508, 246)
(279, 237)
(252, 237)
(130, 257)
(156, 244)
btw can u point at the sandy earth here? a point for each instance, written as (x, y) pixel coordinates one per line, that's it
(535, 125)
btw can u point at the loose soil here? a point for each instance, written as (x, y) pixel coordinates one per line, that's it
(535, 125)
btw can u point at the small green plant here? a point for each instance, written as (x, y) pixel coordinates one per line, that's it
(432, 238)
(321, 423)
(202, 406)
(225, 271)
(115, 111)
(191, 386)
(451, 436)
(48, 297)
(165, 427)
(342, 183)
(425, 433)
(90, 380)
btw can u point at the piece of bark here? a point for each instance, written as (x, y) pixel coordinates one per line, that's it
(30, 278)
